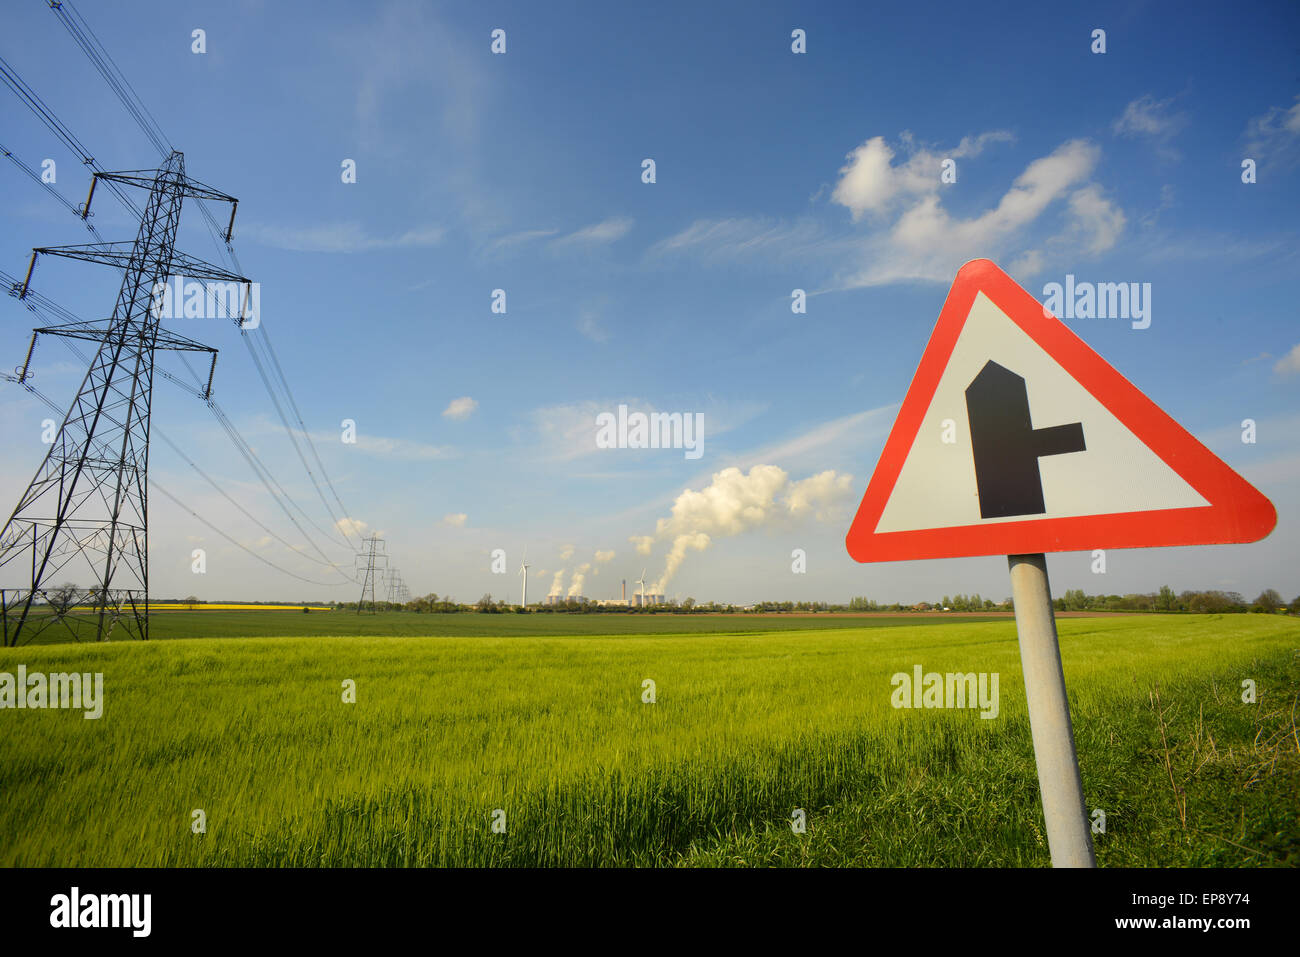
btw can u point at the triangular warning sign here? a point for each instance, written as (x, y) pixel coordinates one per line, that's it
(1015, 438)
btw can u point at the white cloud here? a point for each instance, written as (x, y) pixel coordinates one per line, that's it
(339, 238)
(567, 432)
(1274, 136)
(1094, 219)
(350, 526)
(871, 183)
(732, 239)
(1289, 364)
(523, 236)
(847, 431)
(607, 231)
(557, 584)
(604, 556)
(925, 243)
(455, 519)
(461, 408)
(405, 449)
(735, 502)
(1147, 116)
(567, 552)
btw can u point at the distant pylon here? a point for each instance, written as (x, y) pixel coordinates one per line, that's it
(371, 561)
(397, 590)
(85, 513)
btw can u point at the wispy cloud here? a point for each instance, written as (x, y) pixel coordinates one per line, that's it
(568, 431)
(606, 231)
(520, 238)
(733, 239)
(404, 449)
(1273, 139)
(1151, 119)
(845, 432)
(339, 238)
(455, 519)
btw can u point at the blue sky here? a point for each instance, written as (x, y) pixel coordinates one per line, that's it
(774, 171)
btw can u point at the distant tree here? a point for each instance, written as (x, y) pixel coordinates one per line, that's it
(62, 598)
(1295, 605)
(1166, 600)
(1269, 600)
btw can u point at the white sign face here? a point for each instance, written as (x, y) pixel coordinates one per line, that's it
(1115, 472)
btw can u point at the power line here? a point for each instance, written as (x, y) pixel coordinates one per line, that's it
(49, 188)
(29, 98)
(260, 558)
(39, 303)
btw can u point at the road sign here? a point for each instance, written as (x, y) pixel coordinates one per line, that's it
(1015, 437)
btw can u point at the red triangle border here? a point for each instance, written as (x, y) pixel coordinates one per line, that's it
(1237, 512)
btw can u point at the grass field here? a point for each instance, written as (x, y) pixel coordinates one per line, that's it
(218, 624)
(553, 731)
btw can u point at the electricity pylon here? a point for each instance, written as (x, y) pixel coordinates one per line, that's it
(397, 590)
(86, 510)
(370, 561)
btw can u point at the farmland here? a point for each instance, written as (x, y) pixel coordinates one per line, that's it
(752, 718)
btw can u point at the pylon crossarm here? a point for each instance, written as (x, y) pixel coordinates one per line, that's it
(119, 255)
(92, 332)
(188, 187)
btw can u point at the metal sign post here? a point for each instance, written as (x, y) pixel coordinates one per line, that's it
(1069, 837)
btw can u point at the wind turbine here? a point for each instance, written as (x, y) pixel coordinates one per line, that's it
(641, 581)
(523, 570)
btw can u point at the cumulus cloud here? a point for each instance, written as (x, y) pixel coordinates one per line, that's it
(461, 408)
(604, 556)
(566, 552)
(927, 243)
(455, 519)
(871, 183)
(351, 526)
(1289, 364)
(736, 502)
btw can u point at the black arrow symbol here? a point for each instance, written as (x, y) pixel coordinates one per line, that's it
(1006, 447)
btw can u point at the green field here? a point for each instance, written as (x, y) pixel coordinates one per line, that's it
(552, 730)
(224, 624)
